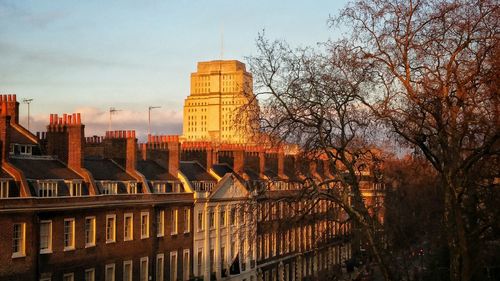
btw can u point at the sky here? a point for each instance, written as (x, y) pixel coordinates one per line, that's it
(88, 56)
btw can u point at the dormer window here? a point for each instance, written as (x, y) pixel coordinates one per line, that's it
(47, 189)
(4, 189)
(75, 188)
(176, 187)
(25, 149)
(110, 188)
(202, 186)
(132, 188)
(21, 149)
(160, 187)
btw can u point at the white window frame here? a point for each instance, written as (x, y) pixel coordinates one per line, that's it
(21, 252)
(144, 270)
(160, 267)
(174, 221)
(132, 187)
(47, 250)
(109, 188)
(90, 271)
(111, 239)
(27, 150)
(160, 187)
(222, 216)
(75, 188)
(201, 223)
(131, 272)
(199, 259)
(187, 220)
(130, 237)
(160, 223)
(185, 265)
(211, 219)
(46, 187)
(173, 270)
(90, 235)
(71, 276)
(70, 244)
(144, 231)
(112, 277)
(4, 189)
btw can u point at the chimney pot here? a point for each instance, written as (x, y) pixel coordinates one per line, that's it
(15, 97)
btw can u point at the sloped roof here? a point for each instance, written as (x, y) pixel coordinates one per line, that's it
(251, 174)
(194, 171)
(153, 171)
(222, 169)
(105, 169)
(16, 136)
(5, 175)
(44, 168)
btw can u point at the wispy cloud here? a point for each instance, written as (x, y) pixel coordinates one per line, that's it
(97, 121)
(58, 58)
(39, 19)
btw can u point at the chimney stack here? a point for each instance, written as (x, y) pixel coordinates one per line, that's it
(12, 109)
(5, 131)
(173, 147)
(121, 146)
(200, 151)
(65, 138)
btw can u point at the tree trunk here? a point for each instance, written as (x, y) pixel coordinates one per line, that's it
(460, 262)
(378, 255)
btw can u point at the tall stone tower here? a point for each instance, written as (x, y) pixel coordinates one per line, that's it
(212, 111)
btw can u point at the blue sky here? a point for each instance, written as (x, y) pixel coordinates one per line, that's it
(86, 56)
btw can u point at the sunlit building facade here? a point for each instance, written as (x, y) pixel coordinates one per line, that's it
(219, 89)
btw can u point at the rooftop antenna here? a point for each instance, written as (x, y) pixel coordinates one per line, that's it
(149, 117)
(28, 101)
(112, 111)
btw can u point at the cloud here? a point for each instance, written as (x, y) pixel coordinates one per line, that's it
(10, 10)
(62, 59)
(97, 121)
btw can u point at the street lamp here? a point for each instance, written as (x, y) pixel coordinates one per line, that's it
(112, 111)
(149, 117)
(28, 101)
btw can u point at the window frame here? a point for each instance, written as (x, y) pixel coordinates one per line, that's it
(160, 276)
(144, 270)
(144, 235)
(130, 237)
(187, 220)
(186, 264)
(22, 240)
(92, 231)
(70, 275)
(160, 223)
(4, 189)
(174, 220)
(113, 238)
(131, 263)
(47, 250)
(71, 246)
(89, 270)
(111, 265)
(174, 273)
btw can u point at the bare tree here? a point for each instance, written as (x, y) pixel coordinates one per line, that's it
(437, 66)
(313, 100)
